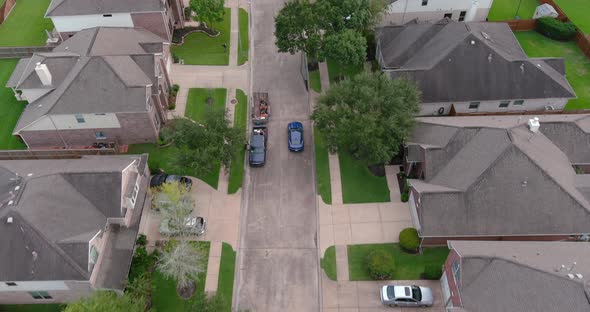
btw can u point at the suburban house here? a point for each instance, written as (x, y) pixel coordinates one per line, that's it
(516, 276)
(471, 68)
(158, 16)
(106, 85)
(402, 11)
(68, 226)
(500, 177)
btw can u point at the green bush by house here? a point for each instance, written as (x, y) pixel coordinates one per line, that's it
(380, 265)
(556, 29)
(409, 240)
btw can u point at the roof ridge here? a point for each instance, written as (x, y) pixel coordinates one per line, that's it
(63, 174)
(116, 72)
(55, 7)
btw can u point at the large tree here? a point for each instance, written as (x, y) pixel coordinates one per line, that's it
(106, 301)
(368, 116)
(349, 47)
(208, 11)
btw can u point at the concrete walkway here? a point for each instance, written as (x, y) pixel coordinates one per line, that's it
(324, 76)
(233, 38)
(212, 277)
(342, 262)
(335, 180)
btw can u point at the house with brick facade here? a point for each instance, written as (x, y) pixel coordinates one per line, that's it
(500, 177)
(158, 16)
(69, 226)
(104, 85)
(471, 68)
(516, 277)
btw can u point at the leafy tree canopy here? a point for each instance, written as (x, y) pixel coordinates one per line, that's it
(348, 47)
(208, 11)
(368, 116)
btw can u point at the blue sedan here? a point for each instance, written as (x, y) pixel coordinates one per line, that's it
(295, 134)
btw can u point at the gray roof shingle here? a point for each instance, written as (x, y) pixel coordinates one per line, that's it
(87, 7)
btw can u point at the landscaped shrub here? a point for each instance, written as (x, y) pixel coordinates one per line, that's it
(172, 105)
(556, 29)
(409, 240)
(371, 45)
(432, 272)
(175, 58)
(175, 88)
(187, 13)
(380, 265)
(141, 240)
(405, 195)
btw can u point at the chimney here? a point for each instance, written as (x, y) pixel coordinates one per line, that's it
(534, 124)
(43, 73)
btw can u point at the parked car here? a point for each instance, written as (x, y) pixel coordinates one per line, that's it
(295, 135)
(406, 296)
(193, 226)
(162, 178)
(257, 148)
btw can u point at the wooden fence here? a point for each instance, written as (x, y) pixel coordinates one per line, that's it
(54, 153)
(521, 25)
(5, 9)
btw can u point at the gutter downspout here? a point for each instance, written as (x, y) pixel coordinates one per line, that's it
(58, 133)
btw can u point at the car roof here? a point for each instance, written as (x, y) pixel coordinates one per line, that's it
(402, 291)
(257, 140)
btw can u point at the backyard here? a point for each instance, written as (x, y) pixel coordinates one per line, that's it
(10, 107)
(577, 12)
(577, 66)
(407, 266)
(503, 10)
(359, 185)
(200, 49)
(243, 37)
(322, 167)
(236, 173)
(26, 25)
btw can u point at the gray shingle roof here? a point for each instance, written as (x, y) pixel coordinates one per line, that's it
(86, 7)
(493, 176)
(484, 60)
(523, 276)
(59, 206)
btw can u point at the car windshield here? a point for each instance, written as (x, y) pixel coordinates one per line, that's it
(257, 150)
(416, 293)
(390, 292)
(296, 137)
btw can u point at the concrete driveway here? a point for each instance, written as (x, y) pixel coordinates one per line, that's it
(278, 257)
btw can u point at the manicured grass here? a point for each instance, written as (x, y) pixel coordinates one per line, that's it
(407, 266)
(197, 105)
(315, 81)
(200, 49)
(243, 37)
(26, 25)
(359, 185)
(577, 66)
(10, 108)
(236, 172)
(164, 295)
(577, 12)
(503, 10)
(322, 168)
(328, 263)
(347, 70)
(32, 308)
(225, 285)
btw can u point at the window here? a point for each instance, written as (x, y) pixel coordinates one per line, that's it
(80, 118)
(448, 15)
(100, 135)
(462, 16)
(10, 284)
(474, 105)
(456, 271)
(93, 256)
(40, 295)
(518, 102)
(504, 104)
(107, 15)
(134, 194)
(424, 2)
(148, 103)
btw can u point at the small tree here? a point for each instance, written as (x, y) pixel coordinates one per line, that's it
(409, 239)
(298, 29)
(182, 262)
(106, 301)
(368, 116)
(348, 47)
(175, 205)
(208, 11)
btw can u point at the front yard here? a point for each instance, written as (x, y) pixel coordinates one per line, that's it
(407, 266)
(322, 168)
(26, 25)
(577, 12)
(335, 70)
(236, 172)
(503, 10)
(359, 185)
(11, 108)
(200, 49)
(243, 37)
(225, 285)
(577, 65)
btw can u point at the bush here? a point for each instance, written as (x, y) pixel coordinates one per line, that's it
(187, 13)
(141, 240)
(556, 29)
(432, 272)
(380, 265)
(175, 88)
(405, 196)
(171, 105)
(371, 45)
(175, 58)
(409, 240)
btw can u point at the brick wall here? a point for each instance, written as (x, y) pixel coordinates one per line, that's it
(154, 22)
(453, 285)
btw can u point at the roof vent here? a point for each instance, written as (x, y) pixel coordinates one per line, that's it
(490, 57)
(534, 124)
(16, 188)
(10, 202)
(522, 68)
(43, 73)
(579, 276)
(472, 41)
(9, 220)
(570, 275)
(485, 35)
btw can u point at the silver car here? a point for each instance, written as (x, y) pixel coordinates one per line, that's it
(192, 225)
(406, 296)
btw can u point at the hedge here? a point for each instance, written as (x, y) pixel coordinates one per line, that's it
(556, 29)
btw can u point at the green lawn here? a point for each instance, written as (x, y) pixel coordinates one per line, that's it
(315, 81)
(197, 104)
(164, 295)
(407, 266)
(348, 71)
(577, 66)
(236, 173)
(200, 49)
(243, 37)
(359, 185)
(503, 10)
(10, 108)
(26, 25)
(227, 268)
(328, 263)
(322, 168)
(32, 308)
(577, 12)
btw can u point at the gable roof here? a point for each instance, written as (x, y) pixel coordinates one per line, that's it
(87, 7)
(484, 59)
(493, 176)
(527, 276)
(99, 70)
(57, 207)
